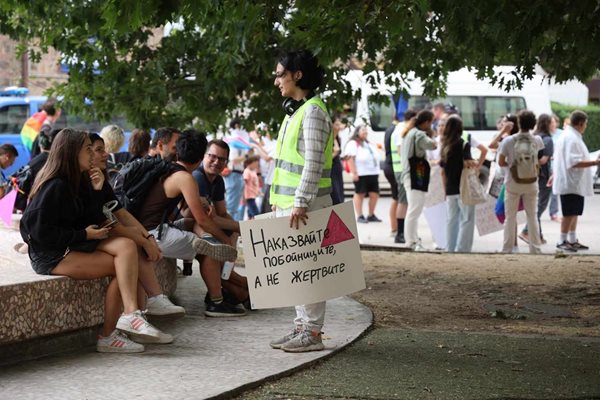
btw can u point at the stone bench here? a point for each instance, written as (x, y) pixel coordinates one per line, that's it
(36, 307)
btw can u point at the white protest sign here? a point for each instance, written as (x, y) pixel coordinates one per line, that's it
(486, 220)
(317, 262)
(435, 194)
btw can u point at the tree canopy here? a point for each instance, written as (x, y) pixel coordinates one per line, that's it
(219, 56)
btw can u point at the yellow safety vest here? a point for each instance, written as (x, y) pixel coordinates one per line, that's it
(289, 163)
(396, 160)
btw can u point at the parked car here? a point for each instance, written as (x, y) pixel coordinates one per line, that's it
(16, 107)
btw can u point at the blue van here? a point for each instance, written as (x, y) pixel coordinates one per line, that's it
(16, 107)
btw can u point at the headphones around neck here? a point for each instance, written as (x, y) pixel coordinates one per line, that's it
(290, 106)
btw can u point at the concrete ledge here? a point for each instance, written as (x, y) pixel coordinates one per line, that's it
(48, 306)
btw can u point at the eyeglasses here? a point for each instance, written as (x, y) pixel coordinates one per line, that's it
(280, 74)
(214, 157)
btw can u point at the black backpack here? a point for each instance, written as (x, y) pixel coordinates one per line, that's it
(24, 179)
(136, 178)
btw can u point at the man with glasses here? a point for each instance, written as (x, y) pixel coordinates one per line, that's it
(212, 194)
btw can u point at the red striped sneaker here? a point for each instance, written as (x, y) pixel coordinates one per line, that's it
(117, 342)
(140, 330)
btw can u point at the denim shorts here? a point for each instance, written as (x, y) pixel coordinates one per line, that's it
(43, 262)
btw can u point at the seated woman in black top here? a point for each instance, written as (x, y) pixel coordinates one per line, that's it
(454, 155)
(129, 227)
(63, 242)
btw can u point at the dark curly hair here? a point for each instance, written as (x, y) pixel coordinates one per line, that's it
(305, 61)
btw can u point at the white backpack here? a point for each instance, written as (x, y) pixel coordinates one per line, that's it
(525, 167)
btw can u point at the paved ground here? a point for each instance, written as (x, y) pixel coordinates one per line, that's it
(378, 234)
(216, 357)
(209, 357)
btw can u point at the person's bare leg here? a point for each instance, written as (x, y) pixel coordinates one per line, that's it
(238, 279)
(113, 306)
(147, 276)
(393, 220)
(373, 197)
(125, 253)
(357, 199)
(210, 270)
(240, 293)
(401, 210)
(568, 224)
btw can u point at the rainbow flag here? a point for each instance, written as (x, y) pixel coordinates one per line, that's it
(31, 129)
(500, 213)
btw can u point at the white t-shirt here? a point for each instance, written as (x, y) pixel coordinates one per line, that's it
(397, 135)
(569, 151)
(365, 156)
(507, 149)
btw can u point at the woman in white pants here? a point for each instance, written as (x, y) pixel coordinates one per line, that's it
(416, 140)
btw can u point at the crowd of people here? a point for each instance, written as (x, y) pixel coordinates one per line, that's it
(91, 211)
(538, 165)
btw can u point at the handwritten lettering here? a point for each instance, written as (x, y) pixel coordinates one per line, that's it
(315, 274)
(270, 245)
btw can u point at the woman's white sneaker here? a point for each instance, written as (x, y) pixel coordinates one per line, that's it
(117, 342)
(141, 330)
(161, 305)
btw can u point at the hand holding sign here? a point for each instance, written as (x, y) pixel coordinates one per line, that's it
(288, 265)
(298, 214)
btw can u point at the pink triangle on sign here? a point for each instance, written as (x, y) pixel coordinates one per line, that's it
(337, 231)
(7, 203)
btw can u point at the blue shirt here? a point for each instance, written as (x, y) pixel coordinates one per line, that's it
(213, 191)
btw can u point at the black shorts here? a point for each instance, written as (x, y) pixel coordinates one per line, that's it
(43, 262)
(571, 204)
(367, 184)
(388, 171)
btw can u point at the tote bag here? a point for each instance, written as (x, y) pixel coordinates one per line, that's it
(419, 171)
(471, 190)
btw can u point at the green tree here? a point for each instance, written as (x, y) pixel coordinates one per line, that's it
(219, 58)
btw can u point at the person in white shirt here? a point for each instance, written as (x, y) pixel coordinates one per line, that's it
(514, 191)
(364, 166)
(572, 179)
(416, 140)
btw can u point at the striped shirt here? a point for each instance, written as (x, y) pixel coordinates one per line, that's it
(314, 132)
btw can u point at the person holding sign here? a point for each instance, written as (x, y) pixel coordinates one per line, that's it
(302, 181)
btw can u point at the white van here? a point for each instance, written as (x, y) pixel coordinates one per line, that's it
(480, 104)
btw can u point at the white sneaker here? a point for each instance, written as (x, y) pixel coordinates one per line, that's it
(117, 342)
(417, 246)
(161, 305)
(141, 330)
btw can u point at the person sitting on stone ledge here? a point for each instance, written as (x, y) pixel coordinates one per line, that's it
(128, 226)
(212, 194)
(60, 242)
(187, 238)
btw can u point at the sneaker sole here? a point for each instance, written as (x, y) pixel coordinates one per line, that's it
(214, 314)
(312, 347)
(165, 313)
(217, 251)
(103, 349)
(142, 337)
(565, 249)
(151, 340)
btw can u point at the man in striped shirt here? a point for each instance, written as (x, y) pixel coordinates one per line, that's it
(303, 183)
